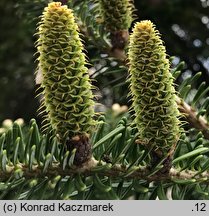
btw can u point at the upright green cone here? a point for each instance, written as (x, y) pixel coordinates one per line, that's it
(68, 99)
(152, 90)
(117, 16)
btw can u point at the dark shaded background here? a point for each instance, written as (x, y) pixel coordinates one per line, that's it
(184, 25)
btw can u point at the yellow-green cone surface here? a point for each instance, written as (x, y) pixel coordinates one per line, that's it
(116, 14)
(68, 99)
(152, 90)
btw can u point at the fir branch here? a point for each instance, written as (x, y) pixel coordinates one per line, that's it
(190, 114)
(115, 172)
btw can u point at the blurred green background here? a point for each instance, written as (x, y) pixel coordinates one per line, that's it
(184, 25)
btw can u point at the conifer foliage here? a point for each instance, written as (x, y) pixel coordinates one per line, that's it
(113, 155)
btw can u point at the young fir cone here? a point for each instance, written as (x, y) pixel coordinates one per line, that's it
(153, 93)
(117, 16)
(68, 99)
